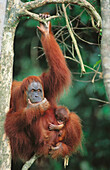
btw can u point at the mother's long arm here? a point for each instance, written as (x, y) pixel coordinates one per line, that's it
(58, 77)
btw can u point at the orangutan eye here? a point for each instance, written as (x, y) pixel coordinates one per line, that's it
(32, 90)
(39, 90)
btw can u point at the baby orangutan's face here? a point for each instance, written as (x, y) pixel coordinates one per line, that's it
(62, 115)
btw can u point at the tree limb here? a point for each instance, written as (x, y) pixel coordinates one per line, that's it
(83, 3)
(29, 163)
(36, 16)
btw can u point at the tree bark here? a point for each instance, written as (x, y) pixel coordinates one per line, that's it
(6, 69)
(4, 93)
(105, 44)
(2, 17)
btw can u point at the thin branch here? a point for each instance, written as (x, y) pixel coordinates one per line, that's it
(99, 100)
(73, 39)
(88, 42)
(59, 31)
(78, 16)
(36, 16)
(29, 163)
(74, 59)
(93, 24)
(95, 74)
(83, 3)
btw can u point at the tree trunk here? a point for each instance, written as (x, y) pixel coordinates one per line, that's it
(6, 68)
(105, 44)
(4, 93)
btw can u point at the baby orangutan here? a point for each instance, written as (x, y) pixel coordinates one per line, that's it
(62, 116)
(70, 132)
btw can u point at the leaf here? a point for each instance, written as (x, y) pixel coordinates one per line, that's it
(97, 63)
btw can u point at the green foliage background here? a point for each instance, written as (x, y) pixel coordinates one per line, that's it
(95, 115)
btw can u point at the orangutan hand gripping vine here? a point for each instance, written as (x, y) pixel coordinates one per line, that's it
(33, 106)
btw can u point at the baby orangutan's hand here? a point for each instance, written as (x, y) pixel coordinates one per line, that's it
(51, 126)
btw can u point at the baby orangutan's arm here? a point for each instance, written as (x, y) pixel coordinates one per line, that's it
(55, 127)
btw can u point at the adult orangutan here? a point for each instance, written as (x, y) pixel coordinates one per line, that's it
(33, 104)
